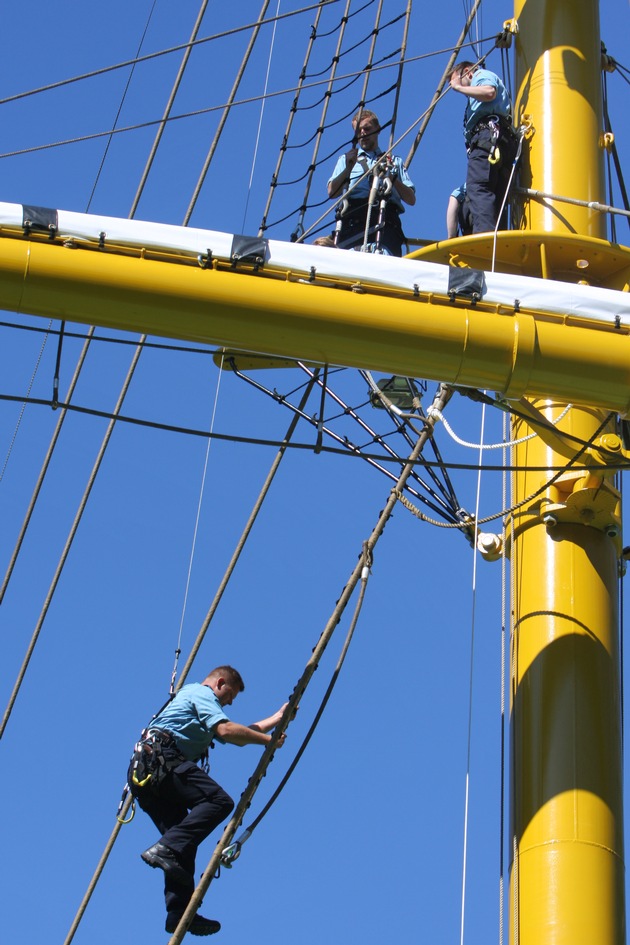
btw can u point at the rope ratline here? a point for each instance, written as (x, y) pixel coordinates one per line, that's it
(442, 397)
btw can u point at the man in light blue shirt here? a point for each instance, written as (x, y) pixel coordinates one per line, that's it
(182, 800)
(490, 141)
(392, 186)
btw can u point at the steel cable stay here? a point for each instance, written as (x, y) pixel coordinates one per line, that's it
(169, 105)
(401, 65)
(125, 808)
(441, 506)
(448, 502)
(181, 47)
(232, 853)
(69, 541)
(345, 18)
(47, 332)
(211, 108)
(613, 154)
(473, 614)
(195, 534)
(441, 398)
(348, 450)
(343, 118)
(77, 371)
(437, 95)
(299, 228)
(509, 511)
(292, 112)
(445, 485)
(84, 499)
(43, 470)
(226, 111)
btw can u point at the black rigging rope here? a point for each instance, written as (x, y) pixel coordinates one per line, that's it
(289, 713)
(613, 153)
(292, 112)
(442, 83)
(299, 227)
(228, 858)
(348, 449)
(181, 47)
(222, 121)
(126, 803)
(79, 139)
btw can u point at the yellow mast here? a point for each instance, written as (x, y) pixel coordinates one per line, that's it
(567, 878)
(567, 873)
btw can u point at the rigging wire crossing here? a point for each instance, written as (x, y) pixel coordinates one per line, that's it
(442, 396)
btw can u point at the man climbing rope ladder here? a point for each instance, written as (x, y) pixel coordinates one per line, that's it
(181, 799)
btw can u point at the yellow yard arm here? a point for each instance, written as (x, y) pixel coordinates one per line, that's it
(357, 325)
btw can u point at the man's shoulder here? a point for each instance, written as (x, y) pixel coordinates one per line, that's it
(486, 77)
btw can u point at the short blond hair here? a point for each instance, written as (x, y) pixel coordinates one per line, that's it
(365, 113)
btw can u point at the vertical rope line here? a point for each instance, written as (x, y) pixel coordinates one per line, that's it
(370, 58)
(197, 517)
(23, 407)
(322, 121)
(226, 111)
(366, 80)
(401, 64)
(44, 468)
(513, 673)
(73, 530)
(261, 115)
(120, 107)
(69, 541)
(471, 678)
(621, 565)
(80, 364)
(442, 396)
(292, 113)
(438, 92)
(167, 110)
(200, 636)
(502, 798)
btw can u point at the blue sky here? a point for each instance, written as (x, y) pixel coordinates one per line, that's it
(366, 843)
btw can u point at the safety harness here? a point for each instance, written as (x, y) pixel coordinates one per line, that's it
(501, 133)
(154, 755)
(354, 228)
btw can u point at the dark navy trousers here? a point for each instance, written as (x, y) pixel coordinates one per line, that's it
(185, 808)
(487, 183)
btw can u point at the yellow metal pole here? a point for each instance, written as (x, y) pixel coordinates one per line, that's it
(567, 878)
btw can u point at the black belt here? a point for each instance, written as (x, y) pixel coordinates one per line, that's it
(167, 738)
(354, 206)
(489, 121)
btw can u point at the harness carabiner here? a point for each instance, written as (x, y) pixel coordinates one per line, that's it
(121, 820)
(495, 155)
(233, 851)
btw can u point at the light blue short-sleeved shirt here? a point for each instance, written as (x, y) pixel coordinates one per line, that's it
(191, 717)
(367, 159)
(500, 105)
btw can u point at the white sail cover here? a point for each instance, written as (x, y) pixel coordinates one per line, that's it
(544, 295)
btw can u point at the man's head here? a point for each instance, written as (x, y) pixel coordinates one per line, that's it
(463, 72)
(366, 128)
(226, 683)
